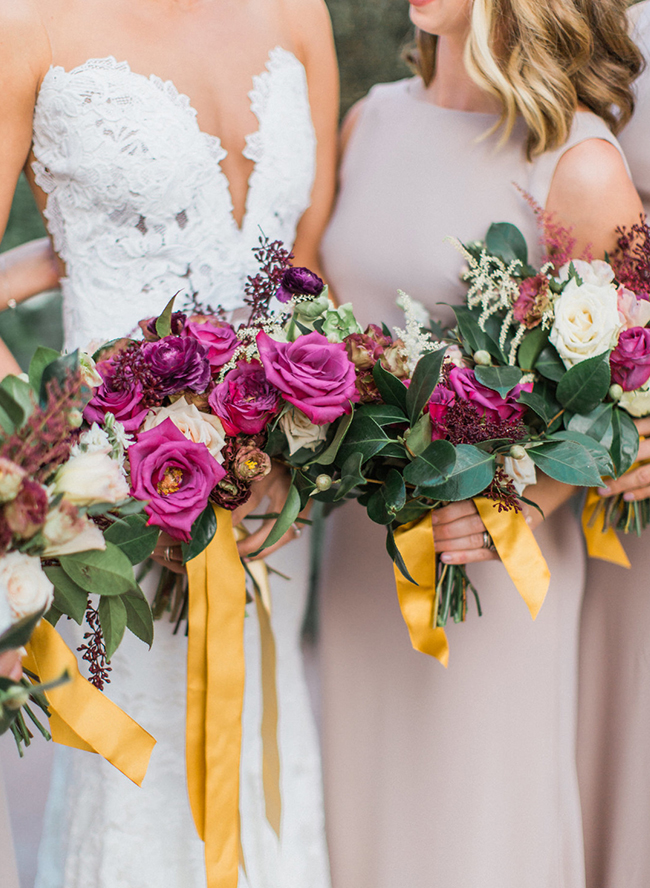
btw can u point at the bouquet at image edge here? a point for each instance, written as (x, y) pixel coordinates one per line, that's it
(63, 501)
(578, 328)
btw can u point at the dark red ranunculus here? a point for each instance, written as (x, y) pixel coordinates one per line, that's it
(630, 360)
(245, 401)
(299, 282)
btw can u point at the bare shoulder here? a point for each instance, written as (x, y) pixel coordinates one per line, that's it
(594, 166)
(310, 25)
(23, 37)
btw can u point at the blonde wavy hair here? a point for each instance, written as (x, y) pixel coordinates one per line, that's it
(543, 58)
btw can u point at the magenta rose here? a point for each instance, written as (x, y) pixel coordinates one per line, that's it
(219, 338)
(312, 373)
(175, 475)
(630, 360)
(245, 401)
(440, 402)
(125, 405)
(488, 403)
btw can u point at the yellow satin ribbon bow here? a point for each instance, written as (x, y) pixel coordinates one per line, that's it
(602, 544)
(517, 548)
(81, 716)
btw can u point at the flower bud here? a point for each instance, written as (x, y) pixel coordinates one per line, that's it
(615, 392)
(482, 357)
(517, 451)
(75, 418)
(324, 482)
(15, 697)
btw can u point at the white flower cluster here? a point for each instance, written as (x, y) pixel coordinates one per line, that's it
(416, 343)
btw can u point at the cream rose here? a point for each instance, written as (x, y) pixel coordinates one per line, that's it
(24, 586)
(522, 471)
(11, 478)
(202, 428)
(301, 431)
(67, 532)
(637, 403)
(90, 478)
(587, 321)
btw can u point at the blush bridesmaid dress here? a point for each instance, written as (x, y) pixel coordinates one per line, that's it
(7, 855)
(466, 777)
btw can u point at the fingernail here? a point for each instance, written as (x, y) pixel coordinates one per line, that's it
(446, 558)
(628, 497)
(604, 491)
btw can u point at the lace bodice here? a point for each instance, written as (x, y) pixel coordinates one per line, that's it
(137, 203)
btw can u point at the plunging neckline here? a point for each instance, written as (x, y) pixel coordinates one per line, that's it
(184, 101)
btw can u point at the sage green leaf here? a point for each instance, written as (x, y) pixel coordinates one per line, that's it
(107, 572)
(286, 518)
(139, 619)
(498, 379)
(69, 598)
(507, 242)
(584, 385)
(472, 473)
(625, 441)
(351, 475)
(17, 635)
(42, 357)
(425, 378)
(597, 424)
(382, 414)
(364, 436)
(60, 369)
(392, 389)
(387, 499)
(202, 534)
(433, 466)
(21, 392)
(472, 336)
(532, 345)
(600, 453)
(549, 364)
(12, 410)
(164, 322)
(134, 537)
(540, 402)
(53, 615)
(329, 455)
(112, 618)
(566, 461)
(395, 554)
(419, 436)
(413, 509)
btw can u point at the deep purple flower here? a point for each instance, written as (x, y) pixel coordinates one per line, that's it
(219, 338)
(177, 364)
(245, 400)
(125, 404)
(489, 403)
(148, 326)
(297, 282)
(440, 402)
(630, 360)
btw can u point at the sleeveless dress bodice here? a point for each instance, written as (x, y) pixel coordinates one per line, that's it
(137, 203)
(463, 777)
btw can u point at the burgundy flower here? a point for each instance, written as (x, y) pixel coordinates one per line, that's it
(175, 476)
(245, 400)
(26, 514)
(532, 301)
(299, 281)
(126, 405)
(395, 360)
(177, 364)
(489, 403)
(219, 338)
(251, 464)
(365, 349)
(312, 373)
(630, 360)
(440, 402)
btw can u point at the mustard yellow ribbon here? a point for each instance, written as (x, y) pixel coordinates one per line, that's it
(215, 697)
(81, 716)
(517, 548)
(601, 543)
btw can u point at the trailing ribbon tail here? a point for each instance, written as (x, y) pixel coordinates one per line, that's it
(81, 716)
(601, 543)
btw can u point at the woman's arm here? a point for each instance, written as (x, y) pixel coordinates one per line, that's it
(27, 270)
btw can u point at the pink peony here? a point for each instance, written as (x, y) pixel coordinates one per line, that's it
(219, 338)
(488, 403)
(634, 311)
(441, 400)
(312, 373)
(126, 406)
(630, 360)
(175, 475)
(245, 401)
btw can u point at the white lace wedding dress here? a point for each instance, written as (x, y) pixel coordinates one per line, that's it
(139, 209)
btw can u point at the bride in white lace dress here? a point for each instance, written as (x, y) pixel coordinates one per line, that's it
(131, 120)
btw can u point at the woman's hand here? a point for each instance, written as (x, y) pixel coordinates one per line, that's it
(168, 552)
(11, 665)
(460, 535)
(274, 488)
(635, 484)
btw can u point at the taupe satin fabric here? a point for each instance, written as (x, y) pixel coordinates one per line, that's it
(463, 778)
(614, 715)
(8, 869)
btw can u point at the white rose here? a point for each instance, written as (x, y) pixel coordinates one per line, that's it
(598, 272)
(89, 478)
(202, 428)
(67, 532)
(11, 477)
(637, 403)
(23, 585)
(301, 431)
(522, 471)
(587, 321)
(93, 440)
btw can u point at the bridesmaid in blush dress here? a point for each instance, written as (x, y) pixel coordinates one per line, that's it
(614, 714)
(10, 666)
(467, 777)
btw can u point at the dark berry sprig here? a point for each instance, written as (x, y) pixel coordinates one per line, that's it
(94, 652)
(273, 259)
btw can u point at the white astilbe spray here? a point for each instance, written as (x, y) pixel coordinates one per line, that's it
(416, 342)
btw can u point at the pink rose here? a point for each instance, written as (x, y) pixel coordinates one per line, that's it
(441, 400)
(219, 338)
(175, 475)
(634, 311)
(630, 360)
(245, 401)
(312, 373)
(488, 403)
(125, 405)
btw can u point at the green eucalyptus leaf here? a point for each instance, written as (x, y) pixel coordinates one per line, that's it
(597, 424)
(498, 379)
(164, 322)
(396, 555)
(566, 461)
(600, 453)
(507, 242)
(102, 572)
(69, 598)
(425, 378)
(329, 455)
(532, 345)
(351, 475)
(472, 336)
(21, 392)
(139, 619)
(12, 409)
(112, 618)
(364, 436)
(202, 534)
(134, 537)
(42, 357)
(382, 414)
(387, 499)
(286, 518)
(59, 370)
(625, 441)
(550, 365)
(583, 386)
(472, 473)
(434, 466)
(412, 511)
(541, 402)
(53, 615)
(392, 389)
(420, 435)
(17, 635)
